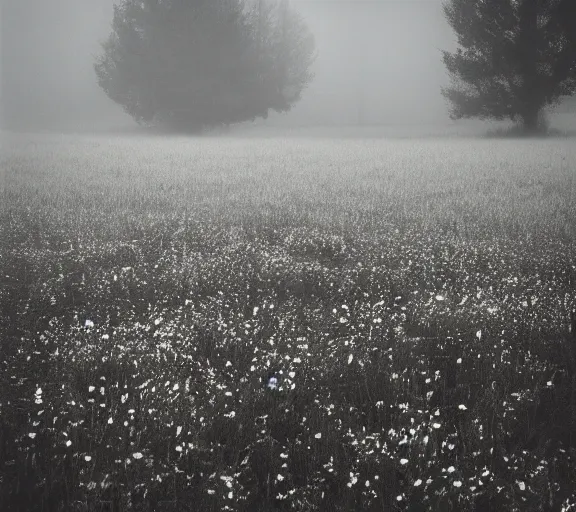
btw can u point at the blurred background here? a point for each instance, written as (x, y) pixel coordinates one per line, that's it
(379, 63)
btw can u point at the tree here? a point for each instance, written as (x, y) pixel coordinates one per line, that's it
(514, 58)
(195, 64)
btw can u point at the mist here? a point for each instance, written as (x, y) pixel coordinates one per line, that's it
(379, 62)
(48, 79)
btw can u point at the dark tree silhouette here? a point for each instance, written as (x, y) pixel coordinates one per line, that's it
(195, 64)
(514, 58)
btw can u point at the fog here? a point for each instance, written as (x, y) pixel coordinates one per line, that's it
(379, 62)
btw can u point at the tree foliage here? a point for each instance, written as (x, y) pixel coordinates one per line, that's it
(514, 58)
(194, 64)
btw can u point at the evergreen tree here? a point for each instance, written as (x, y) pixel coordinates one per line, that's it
(195, 64)
(514, 58)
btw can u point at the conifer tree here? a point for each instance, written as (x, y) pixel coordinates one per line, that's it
(515, 57)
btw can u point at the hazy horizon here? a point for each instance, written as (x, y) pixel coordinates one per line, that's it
(379, 63)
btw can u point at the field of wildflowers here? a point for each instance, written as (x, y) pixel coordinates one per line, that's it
(250, 324)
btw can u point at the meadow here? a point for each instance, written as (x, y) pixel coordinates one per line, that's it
(412, 297)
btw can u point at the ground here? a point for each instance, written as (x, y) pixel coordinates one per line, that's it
(412, 296)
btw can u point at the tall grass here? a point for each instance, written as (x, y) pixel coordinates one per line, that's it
(412, 297)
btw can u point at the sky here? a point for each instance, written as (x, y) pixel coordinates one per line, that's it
(379, 62)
